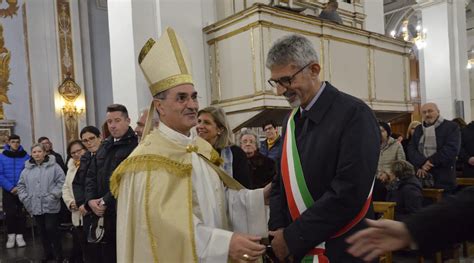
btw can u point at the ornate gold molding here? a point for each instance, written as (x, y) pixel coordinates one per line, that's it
(370, 73)
(28, 68)
(4, 73)
(65, 39)
(254, 61)
(68, 89)
(11, 10)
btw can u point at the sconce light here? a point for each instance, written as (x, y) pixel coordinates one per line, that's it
(70, 91)
(470, 63)
(419, 40)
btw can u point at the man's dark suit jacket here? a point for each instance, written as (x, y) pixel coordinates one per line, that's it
(339, 144)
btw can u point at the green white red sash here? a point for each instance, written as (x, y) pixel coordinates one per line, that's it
(297, 193)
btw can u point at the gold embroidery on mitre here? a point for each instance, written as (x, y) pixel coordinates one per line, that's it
(145, 49)
(170, 82)
(177, 51)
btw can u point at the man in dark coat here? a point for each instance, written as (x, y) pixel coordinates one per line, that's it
(434, 148)
(466, 154)
(48, 146)
(111, 153)
(453, 223)
(335, 139)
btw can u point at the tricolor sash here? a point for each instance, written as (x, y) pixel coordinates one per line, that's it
(297, 193)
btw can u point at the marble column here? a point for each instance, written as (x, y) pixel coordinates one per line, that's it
(443, 74)
(131, 23)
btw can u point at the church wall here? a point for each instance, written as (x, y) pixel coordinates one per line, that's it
(470, 48)
(45, 71)
(100, 60)
(188, 18)
(374, 20)
(18, 93)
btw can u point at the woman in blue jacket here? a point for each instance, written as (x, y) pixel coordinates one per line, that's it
(12, 162)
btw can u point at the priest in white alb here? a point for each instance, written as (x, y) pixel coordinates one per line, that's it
(174, 202)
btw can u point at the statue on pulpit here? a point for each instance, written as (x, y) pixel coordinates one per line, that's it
(4, 73)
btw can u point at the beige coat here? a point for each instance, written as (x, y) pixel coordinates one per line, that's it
(393, 151)
(68, 195)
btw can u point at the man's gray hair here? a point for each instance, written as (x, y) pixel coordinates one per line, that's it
(161, 95)
(249, 132)
(289, 49)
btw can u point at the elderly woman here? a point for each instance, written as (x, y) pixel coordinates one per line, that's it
(404, 189)
(390, 151)
(40, 189)
(214, 128)
(75, 150)
(262, 168)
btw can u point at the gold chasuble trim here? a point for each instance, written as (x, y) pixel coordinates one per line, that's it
(191, 220)
(150, 163)
(154, 246)
(177, 51)
(147, 162)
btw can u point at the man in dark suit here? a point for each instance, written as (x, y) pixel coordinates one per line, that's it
(329, 159)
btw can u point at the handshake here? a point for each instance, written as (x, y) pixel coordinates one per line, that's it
(248, 248)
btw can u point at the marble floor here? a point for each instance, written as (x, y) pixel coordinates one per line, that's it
(33, 252)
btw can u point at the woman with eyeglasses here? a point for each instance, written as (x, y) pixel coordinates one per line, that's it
(90, 137)
(75, 150)
(40, 190)
(214, 128)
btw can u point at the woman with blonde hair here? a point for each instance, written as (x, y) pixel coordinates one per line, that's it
(214, 128)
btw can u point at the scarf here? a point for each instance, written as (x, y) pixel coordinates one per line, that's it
(272, 142)
(427, 144)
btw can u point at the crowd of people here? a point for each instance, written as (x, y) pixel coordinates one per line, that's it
(178, 188)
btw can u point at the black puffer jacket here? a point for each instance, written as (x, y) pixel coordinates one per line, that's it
(107, 158)
(79, 182)
(407, 193)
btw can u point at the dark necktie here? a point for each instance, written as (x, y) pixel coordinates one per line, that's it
(300, 119)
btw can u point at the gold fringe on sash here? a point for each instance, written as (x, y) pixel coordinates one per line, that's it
(147, 162)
